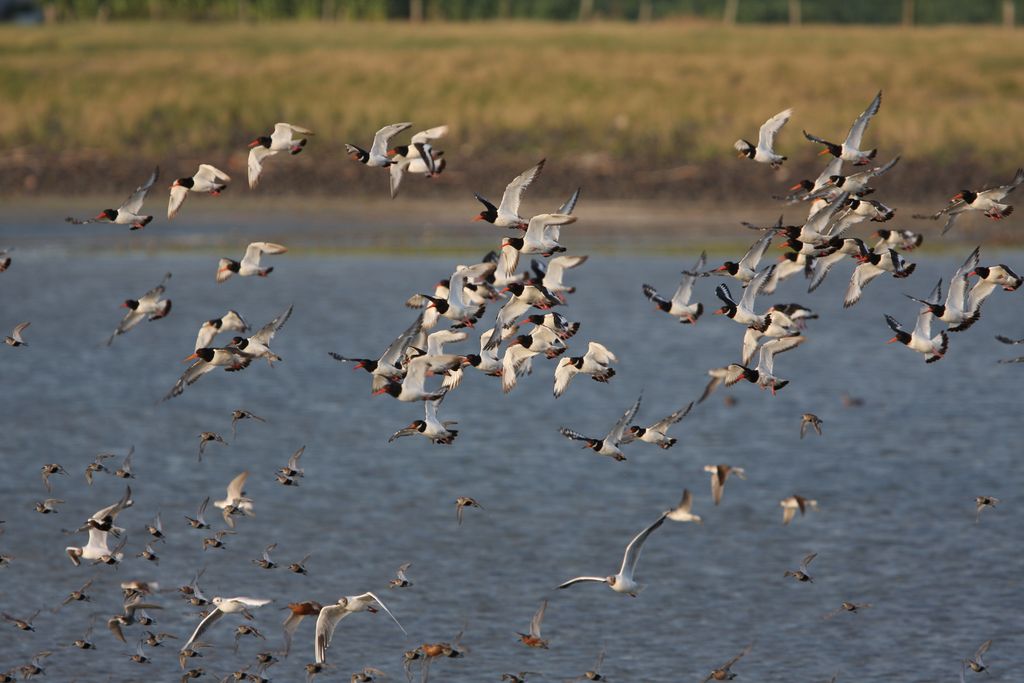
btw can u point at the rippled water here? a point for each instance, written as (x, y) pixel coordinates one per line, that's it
(895, 480)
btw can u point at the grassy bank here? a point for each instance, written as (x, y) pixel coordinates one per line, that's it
(602, 96)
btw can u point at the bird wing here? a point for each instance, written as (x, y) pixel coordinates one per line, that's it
(881, 170)
(205, 624)
(822, 266)
(788, 512)
(632, 556)
(558, 265)
(754, 288)
(326, 621)
(266, 333)
(615, 435)
(600, 355)
(234, 490)
(853, 139)
(756, 251)
(766, 136)
(538, 618)
(396, 172)
(564, 373)
(178, 195)
(768, 351)
(514, 190)
(134, 203)
(581, 579)
(212, 174)
(396, 349)
(290, 625)
(665, 422)
(384, 607)
(685, 289)
(923, 326)
(130, 320)
(957, 295)
(570, 203)
(862, 275)
(255, 249)
(255, 165)
(382, 138)
(686, 503)
(153, 295)
(429, 134)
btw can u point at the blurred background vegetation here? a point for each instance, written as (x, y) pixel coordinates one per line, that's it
(834, 11)
(626, 108)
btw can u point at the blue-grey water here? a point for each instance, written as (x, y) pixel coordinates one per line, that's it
(895, 480)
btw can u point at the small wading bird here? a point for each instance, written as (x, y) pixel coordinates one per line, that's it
(533, 639)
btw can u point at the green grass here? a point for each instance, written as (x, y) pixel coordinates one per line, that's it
(666, 92)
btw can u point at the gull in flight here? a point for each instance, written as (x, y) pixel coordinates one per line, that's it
(623, 582)
(330, 615)
(225, 606)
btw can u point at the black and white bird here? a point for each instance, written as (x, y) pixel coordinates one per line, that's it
(285, 138)
(596, 362)
(149, 305)
(437, 431)
(657, 433)
(250, 263)
(850, 149)
(258, 345)
(745, 269)
(872, 264)
(506, 214)
(764, 374)
(764, 151)
(229, 322)
(990, 202)
(538, 239)
(129, 212)
(390, 366)
(609, 445)
(417, 157)
(680, 305)
(954, 312)
(207, 180)
(933, 348)
(207, 360)
(378, 154)
(743, 311)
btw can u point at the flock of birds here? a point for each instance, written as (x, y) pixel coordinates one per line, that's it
(513, 314)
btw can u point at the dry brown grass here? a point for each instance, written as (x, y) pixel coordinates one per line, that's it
(668, 91)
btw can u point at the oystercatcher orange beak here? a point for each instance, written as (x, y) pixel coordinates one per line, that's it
(478, 218)
(380, 391)
(796, 187)
(894, 339)
(192, 357)
(823, 152)
(254, 143)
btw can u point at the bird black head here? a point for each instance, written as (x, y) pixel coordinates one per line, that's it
(474, 359)
(215, 323)
(883, 233)
(401, 150)
(261, 141)
(109, 214)
(188, 183)
(791, 256)
(837, 180)
(804, 184)
(967, 195)
(392, 389)
(637, 431)
(514, 242)
(440, 304)
(130, 303)
(240, 342)
(730, 267)
(536, 319)
(524, 339)
(901, 337)
(981, 271)
(517, 288)
(204, 353)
